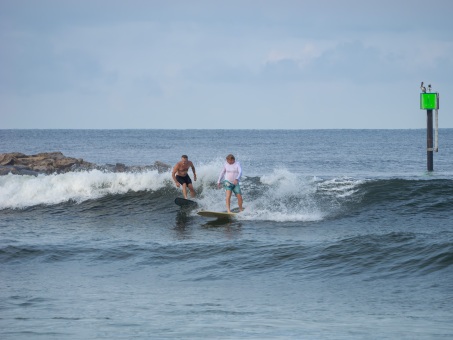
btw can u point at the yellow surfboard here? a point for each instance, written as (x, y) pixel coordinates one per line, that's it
(216, 214)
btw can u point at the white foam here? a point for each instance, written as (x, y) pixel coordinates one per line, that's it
(288, 196)
(284, 183)
(279, 195)
(340, 187)
(22, 191)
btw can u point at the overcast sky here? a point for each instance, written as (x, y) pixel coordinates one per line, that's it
(110, 64)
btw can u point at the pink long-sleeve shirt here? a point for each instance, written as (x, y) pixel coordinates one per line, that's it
(230, 172)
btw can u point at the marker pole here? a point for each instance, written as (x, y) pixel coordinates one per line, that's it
(429, 139)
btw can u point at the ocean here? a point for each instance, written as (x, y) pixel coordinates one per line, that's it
(345, 235)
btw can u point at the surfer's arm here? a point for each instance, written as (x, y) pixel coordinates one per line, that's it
(173, 174)
(222, 173)
(238, 178)
(193, 170)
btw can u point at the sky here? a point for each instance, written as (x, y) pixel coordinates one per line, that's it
(145, 64)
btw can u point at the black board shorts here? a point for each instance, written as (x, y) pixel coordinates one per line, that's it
(184, 180)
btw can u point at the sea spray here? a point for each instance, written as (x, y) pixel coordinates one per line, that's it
(24, 191)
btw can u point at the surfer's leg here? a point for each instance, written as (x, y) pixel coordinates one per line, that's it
(184, 190)
(239, 197)
(228, 199)
(238, 193)
(192, 191)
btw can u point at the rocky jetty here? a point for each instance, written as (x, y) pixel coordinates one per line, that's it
(55, 162)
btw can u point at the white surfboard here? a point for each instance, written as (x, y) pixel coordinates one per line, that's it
(217, 214)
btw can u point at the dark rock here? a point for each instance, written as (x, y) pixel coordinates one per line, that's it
(17, 170)
(10, 158)
(47, 163)
(120, 167)
(161, 167)
(55, 162)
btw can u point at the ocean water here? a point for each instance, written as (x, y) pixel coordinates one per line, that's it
(345, 235)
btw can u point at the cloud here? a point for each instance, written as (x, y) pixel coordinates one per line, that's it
(355, 62)
(234, 58)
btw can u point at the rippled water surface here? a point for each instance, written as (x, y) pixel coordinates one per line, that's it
(342, 237)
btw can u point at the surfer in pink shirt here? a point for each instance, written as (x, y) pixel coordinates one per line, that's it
(230, 177)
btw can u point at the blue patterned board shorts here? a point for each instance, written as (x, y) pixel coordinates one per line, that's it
(227, 185)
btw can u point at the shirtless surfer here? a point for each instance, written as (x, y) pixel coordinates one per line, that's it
(180, 175)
